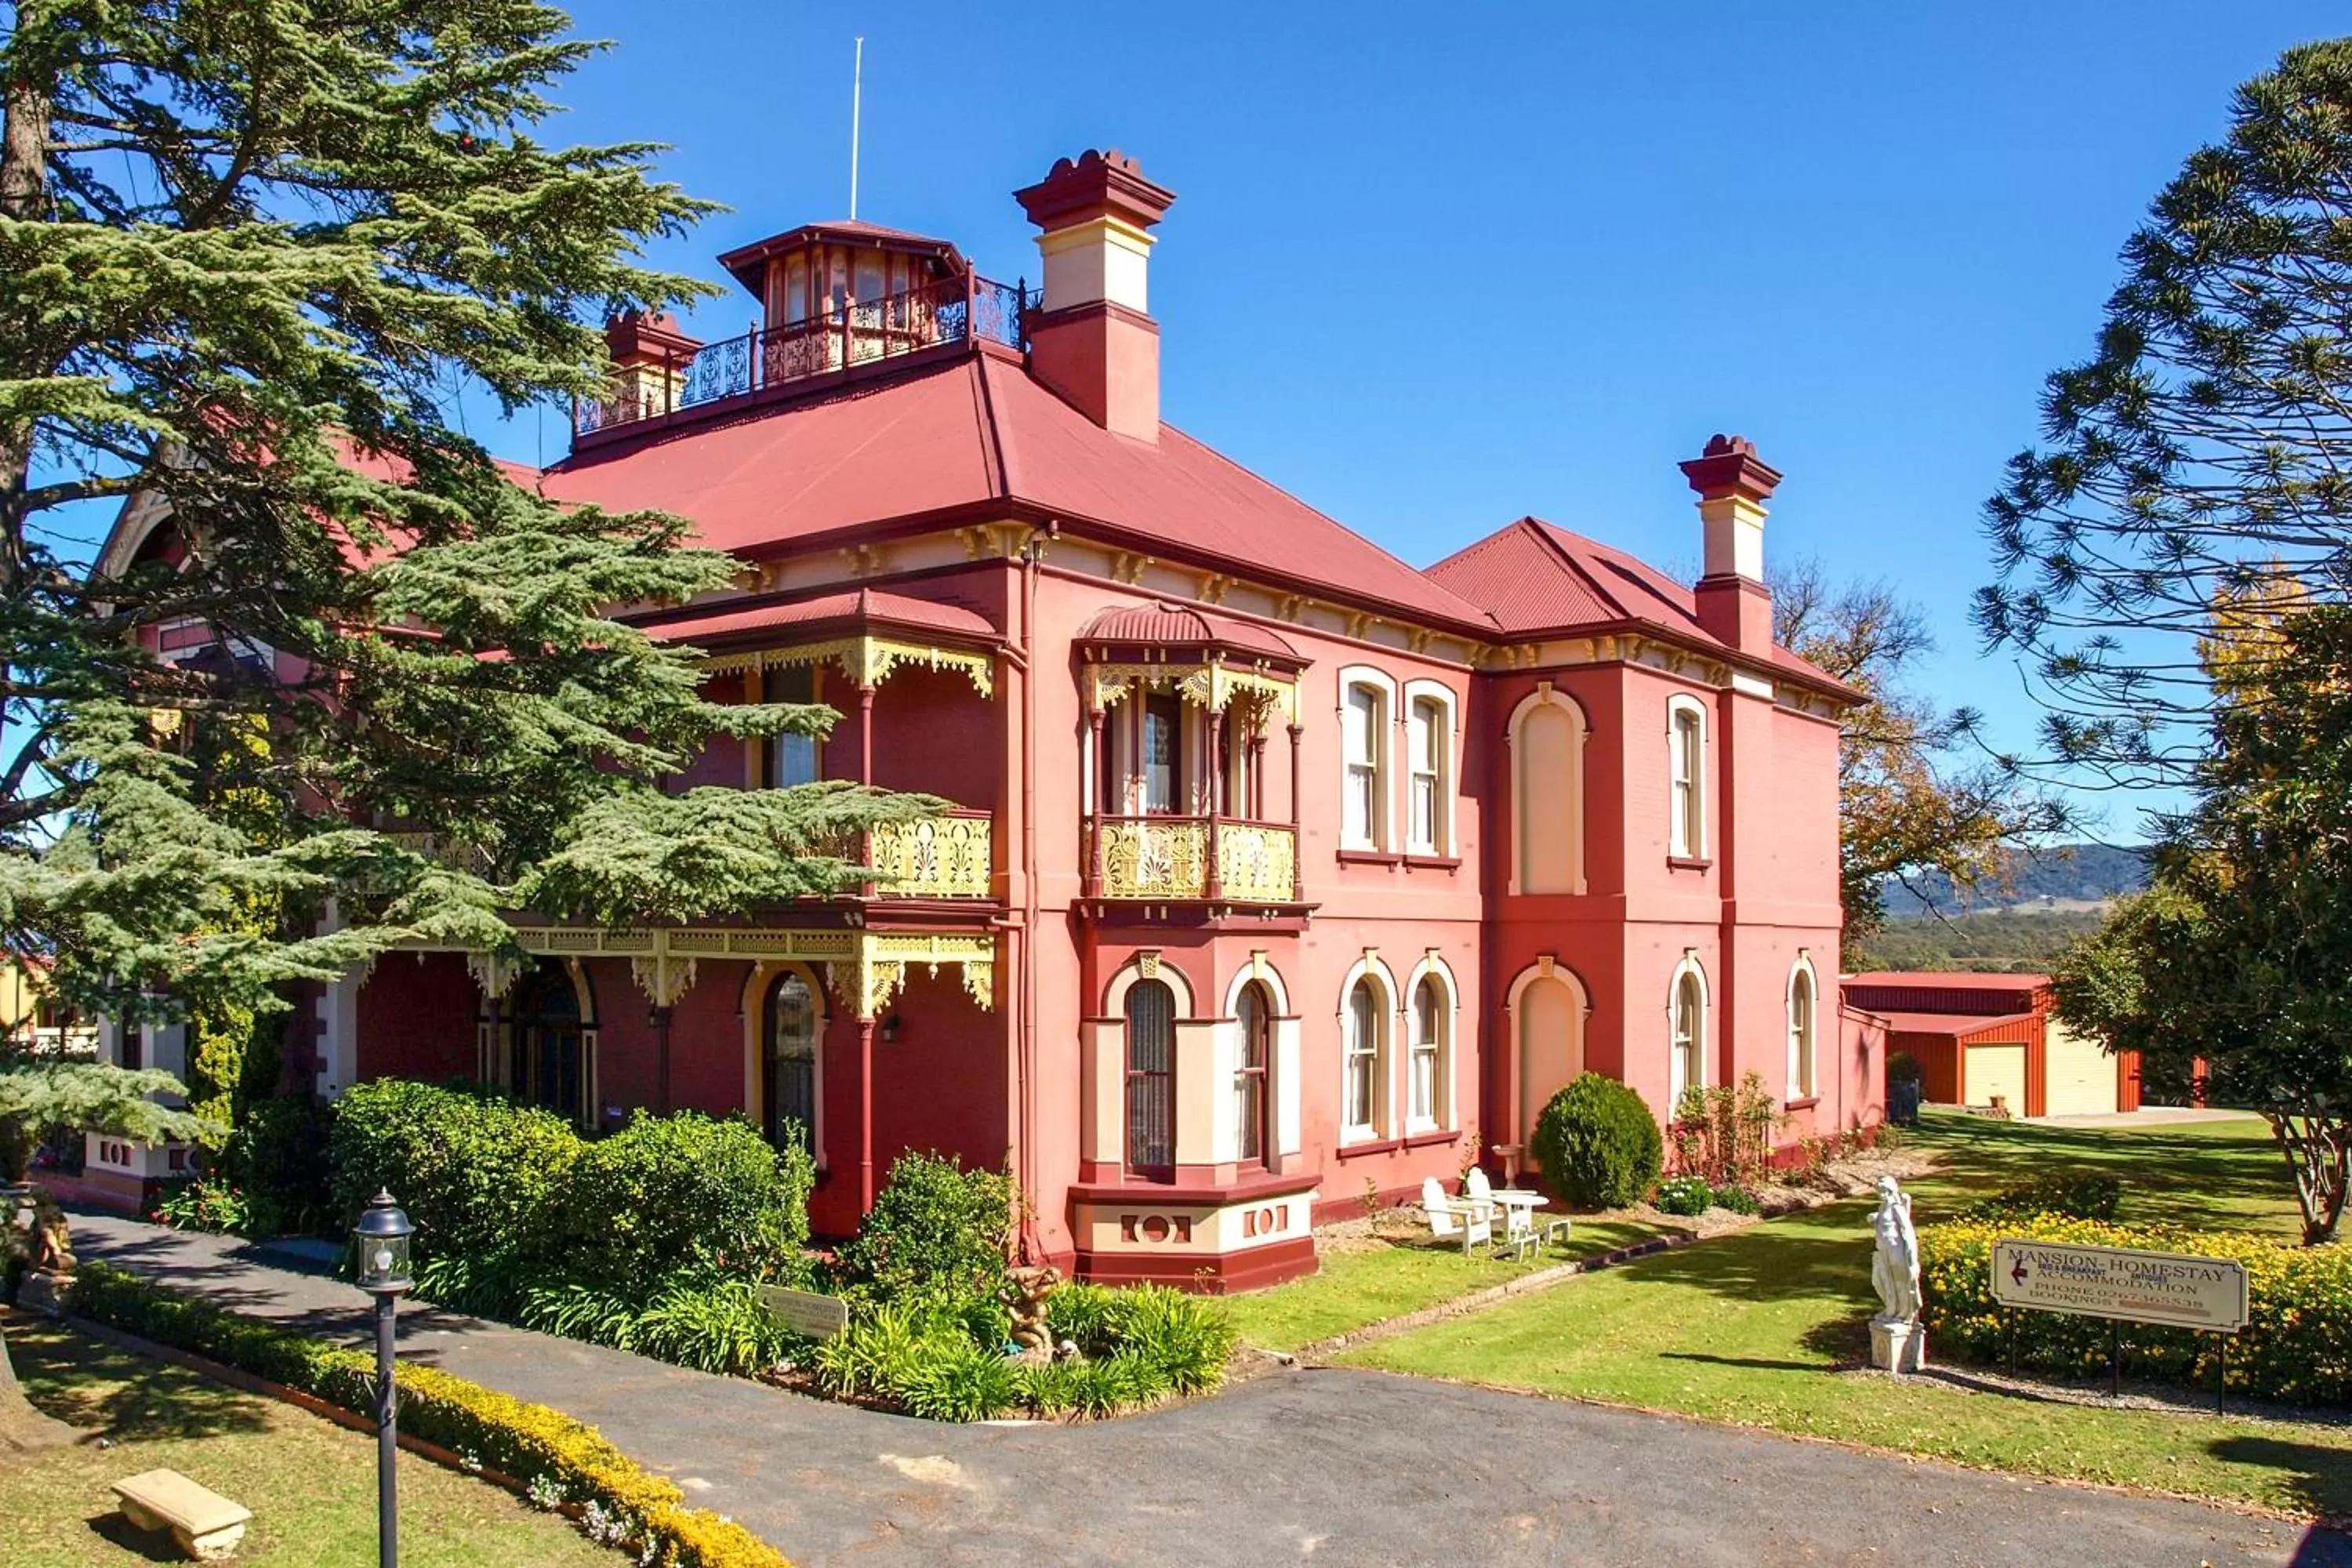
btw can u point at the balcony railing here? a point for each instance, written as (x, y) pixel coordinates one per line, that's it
(950, 311)
(945, 858)
(443, 850)
(1216, 858)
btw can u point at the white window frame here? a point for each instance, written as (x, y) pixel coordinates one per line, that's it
(1380, 831)
(1431, 970)
(1686, 824)
(1437, 696)
(1805, 1034)
(1369, 970)
(1691, 974)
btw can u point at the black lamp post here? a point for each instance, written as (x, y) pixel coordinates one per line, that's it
(382, 1235)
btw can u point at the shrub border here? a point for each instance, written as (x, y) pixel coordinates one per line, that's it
(637, 1511)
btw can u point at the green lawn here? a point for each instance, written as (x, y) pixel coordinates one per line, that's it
(1355, 1288)
(1748, 1327)
(310, 1483)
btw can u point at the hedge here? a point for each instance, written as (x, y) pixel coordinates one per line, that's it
(1598, 1144)
(2296, 1349)
(543, 1449)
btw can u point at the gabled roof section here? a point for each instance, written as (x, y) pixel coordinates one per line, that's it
(1538, 578)
(973, 437)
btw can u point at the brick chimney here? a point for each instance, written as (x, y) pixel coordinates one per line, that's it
(1093, 340)
(650, 354)
(1733, 484)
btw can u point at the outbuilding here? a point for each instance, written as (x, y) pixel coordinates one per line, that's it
(1990, 1040)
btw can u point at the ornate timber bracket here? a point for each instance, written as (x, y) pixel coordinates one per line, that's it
(864, 660)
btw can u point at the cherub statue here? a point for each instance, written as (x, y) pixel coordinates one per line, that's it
(1894, 1270)
(1025, 1292)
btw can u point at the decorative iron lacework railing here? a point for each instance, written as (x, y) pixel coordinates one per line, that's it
(950, 311)
(947, 858)
(1195, 857)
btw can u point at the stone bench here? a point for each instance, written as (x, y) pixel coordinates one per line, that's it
(206, 1525)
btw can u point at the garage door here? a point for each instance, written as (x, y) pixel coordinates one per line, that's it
(1996, 1069)
(2081, 1076)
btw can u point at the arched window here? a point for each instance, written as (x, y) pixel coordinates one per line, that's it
(1364, 734)
(1802, 1007)
(1686, 753)
(1366, 1060)
(1429, 746)
(1548, 796)
(1425, 1106)
(1254, 1015)
(548, 1070)
(1688, 1068)
(1150, 1078)
(789, 1114)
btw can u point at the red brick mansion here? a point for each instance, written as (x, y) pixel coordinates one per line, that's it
(1280, 871)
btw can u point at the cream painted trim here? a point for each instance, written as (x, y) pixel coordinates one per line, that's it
(1701, 779)
(1432, 966)
(1385, 1019)
(1384, 756)
(1259, 969)
(1804, 1085)
(1545, 967)
(753, 1003)
(1099, 231)
(1548, 695)
(1690, 965)
(1157, 968)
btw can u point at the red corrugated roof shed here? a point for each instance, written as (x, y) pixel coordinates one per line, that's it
(1953, 1023)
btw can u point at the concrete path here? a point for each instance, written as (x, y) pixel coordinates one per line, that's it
(1331, 1466)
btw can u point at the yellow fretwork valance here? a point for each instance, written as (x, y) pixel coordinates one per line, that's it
(1212, 686)
(864, 660)
(865, 969)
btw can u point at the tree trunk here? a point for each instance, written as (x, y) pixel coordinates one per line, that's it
(2316, 1147)
(24, 1429)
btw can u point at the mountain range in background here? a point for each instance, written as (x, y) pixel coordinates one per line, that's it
(2057, 878)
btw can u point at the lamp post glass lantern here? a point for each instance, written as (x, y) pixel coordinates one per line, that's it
(381, 1236)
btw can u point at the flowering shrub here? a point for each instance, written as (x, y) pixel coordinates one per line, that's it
(556, 1459)
(203, 1204)
(2297, 1347)
(1684, 1195)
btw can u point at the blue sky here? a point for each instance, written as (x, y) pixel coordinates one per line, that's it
(1434, 268)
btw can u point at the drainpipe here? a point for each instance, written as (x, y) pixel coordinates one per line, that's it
(1025, 1054)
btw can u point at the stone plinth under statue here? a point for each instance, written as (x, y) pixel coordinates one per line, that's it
(1897, 1346)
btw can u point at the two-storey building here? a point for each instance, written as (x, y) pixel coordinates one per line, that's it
(1280, 872)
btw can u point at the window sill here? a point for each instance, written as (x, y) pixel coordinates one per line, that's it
(1368, 858)
(1370, 1146)
(1436, 862)
(1433, 1136)
(1688, 863)
(1802, 1102)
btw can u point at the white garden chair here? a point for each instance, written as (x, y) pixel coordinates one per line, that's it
(1450, 1218)
(1520, 1227)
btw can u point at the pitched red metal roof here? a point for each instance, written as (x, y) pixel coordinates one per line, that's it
(864, 605)
(1183, 626)
(969, 437)
(1953, 1023)
(1951, 979)
(1535, 577)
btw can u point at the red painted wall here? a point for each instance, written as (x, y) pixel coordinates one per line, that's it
(416, 1017)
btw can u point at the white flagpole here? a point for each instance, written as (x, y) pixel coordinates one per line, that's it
(857, 91)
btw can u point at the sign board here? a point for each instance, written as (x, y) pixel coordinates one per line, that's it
(805, 1313)
(2176, 1289)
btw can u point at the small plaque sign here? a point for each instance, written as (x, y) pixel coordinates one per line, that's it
(806, 1312)
(2179, 1290)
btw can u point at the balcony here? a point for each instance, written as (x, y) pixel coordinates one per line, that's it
(950, 311)
(949, 858)
(446, 851)
(1223, 859)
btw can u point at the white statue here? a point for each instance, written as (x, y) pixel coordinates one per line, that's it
(1894, 1270)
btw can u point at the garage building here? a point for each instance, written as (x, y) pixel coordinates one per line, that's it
(1988, 1039)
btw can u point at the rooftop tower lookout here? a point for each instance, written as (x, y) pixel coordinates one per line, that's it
(835, 299)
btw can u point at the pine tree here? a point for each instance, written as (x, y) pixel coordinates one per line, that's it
(252, 255)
